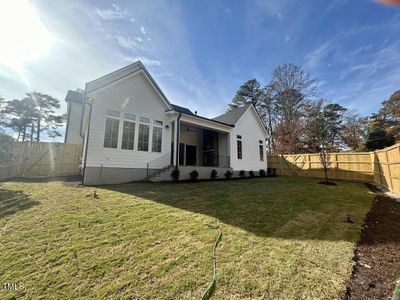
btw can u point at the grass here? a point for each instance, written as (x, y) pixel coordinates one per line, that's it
(283, 238)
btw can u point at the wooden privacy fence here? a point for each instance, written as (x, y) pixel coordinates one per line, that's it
(40, 160)
(381, 166)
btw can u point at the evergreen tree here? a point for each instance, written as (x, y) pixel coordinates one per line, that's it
(249, 92)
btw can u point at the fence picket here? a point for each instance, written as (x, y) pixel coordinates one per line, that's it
(41, 159)
(381, 166)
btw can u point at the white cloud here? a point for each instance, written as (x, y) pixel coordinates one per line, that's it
(335, 5)
(114, 13)
(142, 30)
(287, 38)
(127, 42)
(148, 62)
(228, 11)
(315, 57)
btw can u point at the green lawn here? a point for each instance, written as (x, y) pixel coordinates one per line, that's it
(283, 238)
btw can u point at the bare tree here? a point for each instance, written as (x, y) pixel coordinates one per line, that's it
(325, 159)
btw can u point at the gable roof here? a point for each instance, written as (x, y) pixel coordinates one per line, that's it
(232, 116)
(74, 96)
(120, 74)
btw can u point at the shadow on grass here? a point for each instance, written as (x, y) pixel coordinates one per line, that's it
(75, 178)
(13, 201)
(289, 208)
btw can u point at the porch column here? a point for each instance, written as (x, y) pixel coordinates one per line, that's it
(177, 139)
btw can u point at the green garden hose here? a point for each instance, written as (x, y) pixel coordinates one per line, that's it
(207, 293)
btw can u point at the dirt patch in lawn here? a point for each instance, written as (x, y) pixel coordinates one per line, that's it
(377, 254)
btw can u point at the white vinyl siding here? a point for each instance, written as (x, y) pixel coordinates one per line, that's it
(251, 132)
(136, 96)
(74, 123)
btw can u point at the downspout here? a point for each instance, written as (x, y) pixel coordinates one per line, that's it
(178, 132)
(90, 103)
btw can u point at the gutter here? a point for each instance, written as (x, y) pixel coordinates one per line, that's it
(87, 141)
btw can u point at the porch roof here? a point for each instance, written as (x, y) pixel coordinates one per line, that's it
(205, 122)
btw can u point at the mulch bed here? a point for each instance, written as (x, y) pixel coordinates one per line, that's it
(377, 254)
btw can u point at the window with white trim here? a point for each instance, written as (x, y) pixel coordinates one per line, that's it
(261, 147)
(112, 129)
(128, 132)
(157, 136)
(144, 133)
(239, 146)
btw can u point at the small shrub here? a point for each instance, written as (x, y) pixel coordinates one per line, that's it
(213, 174)
(193, 175)
(273, 172)
(175, 174)
(242, 173)
(269, 172)
(262, 173)
(228, 174)
(251, 173)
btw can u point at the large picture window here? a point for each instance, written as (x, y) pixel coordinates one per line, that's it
(157, 136)
(261, 147)
(144, 132)
(112, 128)
(128, 134)
(239, 146)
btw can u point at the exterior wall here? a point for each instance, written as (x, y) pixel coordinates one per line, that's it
(72, 135)
(252, 132)
(100, 176)
(134, 94)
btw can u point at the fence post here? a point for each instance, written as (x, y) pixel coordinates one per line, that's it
(372, 160)
(390, 183)
(336, 170)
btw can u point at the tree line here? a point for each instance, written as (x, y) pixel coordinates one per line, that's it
(299, 121)
(29, 117)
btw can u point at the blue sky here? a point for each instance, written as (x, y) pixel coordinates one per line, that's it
(200, 52)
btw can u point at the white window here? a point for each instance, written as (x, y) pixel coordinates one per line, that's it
(144, 133)
(261, 147)
(239, 146)
(128, 133)
(157, 136)
(112, 128)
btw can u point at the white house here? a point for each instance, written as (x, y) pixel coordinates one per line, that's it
(130, 131)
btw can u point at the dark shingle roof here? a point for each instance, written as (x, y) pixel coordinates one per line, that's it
(232, 116)
(187, 111)
(74, 96)
(182, 109)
